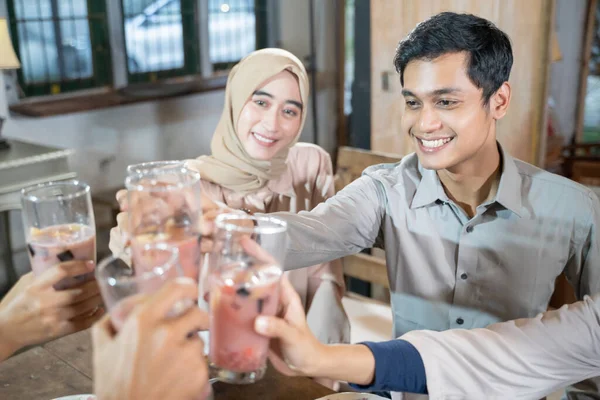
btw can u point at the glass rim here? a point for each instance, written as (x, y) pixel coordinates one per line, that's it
(131, 185)
(150, 165)
(276, 225)
(124, 280)
(27, 193)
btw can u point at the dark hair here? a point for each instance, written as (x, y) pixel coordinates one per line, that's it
(489, 51)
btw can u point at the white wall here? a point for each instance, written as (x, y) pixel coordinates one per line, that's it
(169, 129)
(564, 75)
(294, 29)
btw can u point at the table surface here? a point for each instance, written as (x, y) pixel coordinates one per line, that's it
(64, 367)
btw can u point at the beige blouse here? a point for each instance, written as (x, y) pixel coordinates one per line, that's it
(307, 182)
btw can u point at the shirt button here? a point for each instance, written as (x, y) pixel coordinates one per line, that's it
(469, 229)
(463, 276)
(460, 321)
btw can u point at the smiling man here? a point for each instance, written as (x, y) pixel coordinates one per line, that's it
(471, 235)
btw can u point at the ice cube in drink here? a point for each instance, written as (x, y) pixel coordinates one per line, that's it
(59, 243)
(239, 293)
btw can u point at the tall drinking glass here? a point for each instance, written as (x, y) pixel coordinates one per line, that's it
(59, 226)
(121, 284)
(244, 279)
(164, 206)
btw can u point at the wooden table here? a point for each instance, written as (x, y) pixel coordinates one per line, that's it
(64, 367)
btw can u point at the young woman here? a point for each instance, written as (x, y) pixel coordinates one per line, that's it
(257, 165)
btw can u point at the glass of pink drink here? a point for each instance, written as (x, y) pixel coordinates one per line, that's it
(122, 285)
(164, 206)
(59, 226)
(244, 278)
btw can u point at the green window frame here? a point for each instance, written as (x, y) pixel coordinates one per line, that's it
(99, 45)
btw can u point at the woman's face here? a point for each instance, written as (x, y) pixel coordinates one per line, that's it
(270, 119)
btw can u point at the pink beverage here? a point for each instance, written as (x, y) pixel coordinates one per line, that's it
(164, 207)
(59, 243)
(238, 295)
(123, 287)
(187, 243)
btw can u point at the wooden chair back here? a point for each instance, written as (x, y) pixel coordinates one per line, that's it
(351, 162)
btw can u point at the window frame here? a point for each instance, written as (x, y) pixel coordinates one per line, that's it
(194, 53)
(99, 43)
(191, 60)
(109, 54)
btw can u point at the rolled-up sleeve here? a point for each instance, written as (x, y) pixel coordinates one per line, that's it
(521, 359)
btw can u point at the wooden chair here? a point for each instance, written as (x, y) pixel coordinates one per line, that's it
(581, 161)
(370, 320)
(351, 163)
(586, 172)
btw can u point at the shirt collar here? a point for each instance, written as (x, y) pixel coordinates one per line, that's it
(430, 188)
(509, 189)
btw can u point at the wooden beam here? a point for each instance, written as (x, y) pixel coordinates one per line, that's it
(540, 138)
(590, 27)
(342, 134)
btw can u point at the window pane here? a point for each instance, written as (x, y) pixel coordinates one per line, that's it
(153, 35)
(232, 29)
(75, 31)
(173, 8)
(28, 9)
(37, 44)
(591, 119)
(72, 8)
(39, 57)
(40, 49)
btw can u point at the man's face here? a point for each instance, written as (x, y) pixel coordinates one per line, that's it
(444, 112)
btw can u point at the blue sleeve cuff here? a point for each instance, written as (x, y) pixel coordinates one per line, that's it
(398, 368)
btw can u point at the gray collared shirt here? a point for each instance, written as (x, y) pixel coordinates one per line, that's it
(447, 270)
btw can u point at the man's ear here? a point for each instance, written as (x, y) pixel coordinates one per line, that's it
(499, 101)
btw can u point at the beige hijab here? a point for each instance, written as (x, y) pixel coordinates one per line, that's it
(229, 165)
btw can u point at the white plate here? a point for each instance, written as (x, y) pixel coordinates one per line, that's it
(351, 396)
(78, 397)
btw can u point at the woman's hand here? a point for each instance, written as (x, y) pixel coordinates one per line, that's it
(34, 312)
